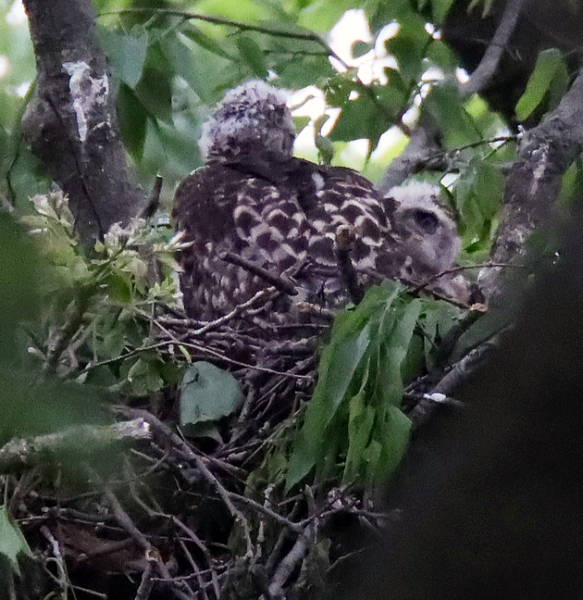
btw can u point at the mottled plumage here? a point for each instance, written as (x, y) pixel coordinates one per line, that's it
(254, 199)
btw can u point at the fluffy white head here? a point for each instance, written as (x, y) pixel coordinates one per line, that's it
(430, 232)
(251, 118)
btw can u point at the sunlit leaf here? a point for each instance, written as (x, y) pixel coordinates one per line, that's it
(409, 46)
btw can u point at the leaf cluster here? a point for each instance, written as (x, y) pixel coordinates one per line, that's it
(96, 322)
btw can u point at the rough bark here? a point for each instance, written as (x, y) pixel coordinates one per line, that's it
(533, 182)
(71, 123)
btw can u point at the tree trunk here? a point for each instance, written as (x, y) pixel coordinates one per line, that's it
(71, 123)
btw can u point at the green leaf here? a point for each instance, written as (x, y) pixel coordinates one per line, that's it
(204, 40)
(478, 194)
(446, 107)
(360, 423)
(409, 47)
(154, 91)
(144, 378)
(359, 379)
(368, 116)
(19, 299)
(440, 8)
(340, 360)
(252, 54)
(184, 64)
(207, 393)
(549, 64)
(126, 54)
(12, 542)
(360, 48)
(133, 119)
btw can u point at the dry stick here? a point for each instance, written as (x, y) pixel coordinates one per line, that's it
(158, 513)
(153, 201)
(205, 472)
(266, 294)
(151, 554)
(146, 583)
(61, 578)
(289, 562)
(344, 242)
(487, 265)
(304, 541)
(281, 283)
(267, 512)
(201, 582)
(121, 516)
(22, 453)
(224, 494)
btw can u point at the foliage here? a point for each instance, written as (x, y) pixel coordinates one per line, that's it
(101, 308)
(353, 427)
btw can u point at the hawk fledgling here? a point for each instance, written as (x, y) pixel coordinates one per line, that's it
(253, 199)
(428, 237)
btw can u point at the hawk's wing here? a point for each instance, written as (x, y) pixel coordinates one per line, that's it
(280, 216)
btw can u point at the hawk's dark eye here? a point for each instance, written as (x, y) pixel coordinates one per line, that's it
(426, 220)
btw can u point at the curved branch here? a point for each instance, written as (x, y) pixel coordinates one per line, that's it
(491, 59)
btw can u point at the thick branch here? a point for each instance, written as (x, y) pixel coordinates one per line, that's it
(70, 123)
(533, 182)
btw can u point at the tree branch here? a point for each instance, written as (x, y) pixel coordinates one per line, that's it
(533, 182)
(70, 122)
(491, 59)
(423, 146)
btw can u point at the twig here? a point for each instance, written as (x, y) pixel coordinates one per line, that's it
(344, 243)
(304, 541)
(488, 265)
(422, 150)
(22, 453)
(267, 294)
(205, 472)
(61, 577)
(121, 516)
(281, 283)
(153, 201)
(146, 583)
(464, 368)
(489, 63)
(267, 511)
(224, 494)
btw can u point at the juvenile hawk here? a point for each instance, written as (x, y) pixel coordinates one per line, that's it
(253, 199)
